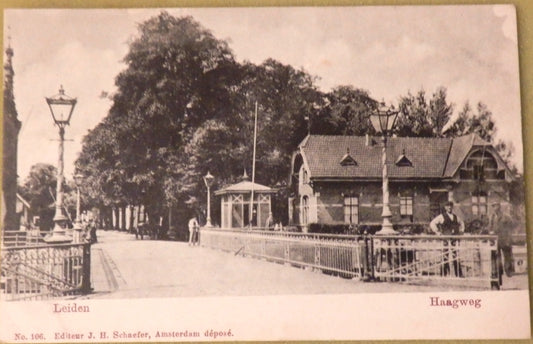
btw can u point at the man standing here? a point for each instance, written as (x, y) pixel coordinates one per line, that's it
(193, 231)
(449, 223)
(502, 225)
(269, 223)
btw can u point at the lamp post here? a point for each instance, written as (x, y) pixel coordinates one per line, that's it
(383, 121)
(208, 180)
(61, 106)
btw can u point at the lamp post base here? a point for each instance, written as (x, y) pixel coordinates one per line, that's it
(58, 238)
(386, 228)
(58, 235)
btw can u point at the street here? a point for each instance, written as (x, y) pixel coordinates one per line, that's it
(123, 267)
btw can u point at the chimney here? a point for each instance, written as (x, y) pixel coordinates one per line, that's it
(368, 141)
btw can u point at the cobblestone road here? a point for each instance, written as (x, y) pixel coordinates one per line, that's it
(123, 267)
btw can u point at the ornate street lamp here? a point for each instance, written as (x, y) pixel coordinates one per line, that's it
(78, 179)
(208, 180)
(383, 121)
(61, 106)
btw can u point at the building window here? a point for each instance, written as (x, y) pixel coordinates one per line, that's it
(481, 165)
(305, 210)
(403, 160)
(351, 209)
(304, 176)
(406, 206)
(479, 204)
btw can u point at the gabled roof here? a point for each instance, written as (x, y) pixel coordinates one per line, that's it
(461, 146)
(244, 187)
(347, 159)
(403, 160)
(431, 158)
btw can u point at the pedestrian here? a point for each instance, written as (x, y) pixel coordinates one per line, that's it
(269, 223)
(139, 230)
(92, 231)
(502, 225)
(448, 223)
(193, 231)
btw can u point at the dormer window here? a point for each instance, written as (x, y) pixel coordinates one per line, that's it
(347, 159)
(403, 160)
(481, 165)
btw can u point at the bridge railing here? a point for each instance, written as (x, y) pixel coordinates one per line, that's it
(339, 255)
(466, 261)
(29, 237)
(45, 271)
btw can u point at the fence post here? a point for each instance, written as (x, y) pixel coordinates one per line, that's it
(496, 273)
(372, 259)
(368, 258)
(317, 253)
(86, 276)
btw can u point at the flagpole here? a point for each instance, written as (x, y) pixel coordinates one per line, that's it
(253, 168)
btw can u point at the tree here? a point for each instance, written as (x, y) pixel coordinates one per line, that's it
(285, 98)
(178, 75)
(346, 111)
(420, 118)
(39, 189)
(468, 122)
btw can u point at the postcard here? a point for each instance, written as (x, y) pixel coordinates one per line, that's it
(273, 173)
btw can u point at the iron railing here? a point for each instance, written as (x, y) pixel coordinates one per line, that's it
(45, 271)
(334, 254)
(465, 261)
(23, 238)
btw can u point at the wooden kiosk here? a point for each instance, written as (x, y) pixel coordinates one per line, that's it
(235, 204)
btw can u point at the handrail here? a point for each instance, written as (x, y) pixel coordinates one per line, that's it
(466, 259)
(36, 280)
(15, 248)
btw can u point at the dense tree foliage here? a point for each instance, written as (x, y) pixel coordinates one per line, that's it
(184, 106)
(480, 123)
(39, 189)
(345, 111)
(420, 117)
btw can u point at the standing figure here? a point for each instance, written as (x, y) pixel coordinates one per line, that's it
(193, 231)
(269, 223)
(92, 231)
(502, 225)
(139, 230)
(448, 223)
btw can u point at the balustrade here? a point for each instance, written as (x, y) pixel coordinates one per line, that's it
(45, 271)
(468, 260)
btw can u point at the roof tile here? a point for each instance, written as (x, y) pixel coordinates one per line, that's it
(430, 157)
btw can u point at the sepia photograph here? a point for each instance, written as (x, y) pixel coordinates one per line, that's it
(262, 173)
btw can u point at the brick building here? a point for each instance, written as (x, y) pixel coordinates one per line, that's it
(337, 179)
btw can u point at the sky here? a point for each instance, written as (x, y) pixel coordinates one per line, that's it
(470, 50)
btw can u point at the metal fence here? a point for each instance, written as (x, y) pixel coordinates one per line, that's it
(334, 254)
(45, 271)
(469, 261)
(465, 261)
